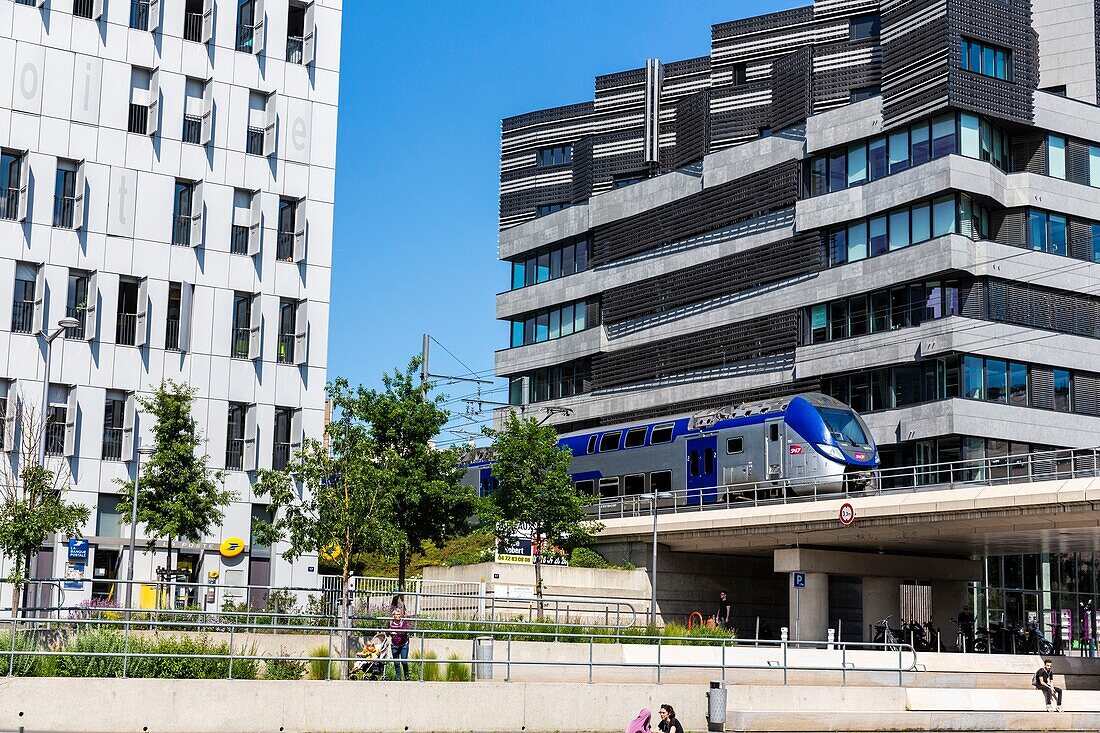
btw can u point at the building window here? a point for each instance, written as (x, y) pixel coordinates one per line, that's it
(549, 264)
(193, 111)
(22, 309)
(545, 209)
(246, 25)
(737, 74)
(139, 15)
(1056, 156)
(902, 306)
(11, 174)
(556, 382)
(240, 230)
(242, 325)
(257, 117)
(1047, 232)
(900, 228)
(295, 31)
(861, 93)
(284, 240)
(114, 423)
(76, 303)
(185, 204)
(57, 420)
(547, 325)
(174, 317)
(288, 312)
(144, 101)
(1063, 392)
(863, 26)
(109, 519)
(985, 59)
(193, 20)
(64, 194)
(235, 436)
(127, 326)
(284, 417)
(556, 155)
(84, 9)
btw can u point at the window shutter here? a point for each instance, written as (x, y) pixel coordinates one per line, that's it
(207, 125)
(207, 20)
(258, 28)
(39, 299)
(295, 432)
(97, 9)
(24, 185)
(11, 417)
(255, 327)
(186, 291)
(70, 422)
(309, 29)
(255, 224)
(141, 331)
(154, 103)
(270, 122)
(91, 308)
(301, 333)
(249, 438)
(196, 214)
(300, 231)
(129, 420)
(78, 201)
(154, 15)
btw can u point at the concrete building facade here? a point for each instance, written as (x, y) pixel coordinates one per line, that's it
(168, 181)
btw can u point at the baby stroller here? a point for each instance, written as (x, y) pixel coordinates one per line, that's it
(371, 659)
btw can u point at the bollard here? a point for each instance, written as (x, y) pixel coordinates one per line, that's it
(483, 658)
(716, 706)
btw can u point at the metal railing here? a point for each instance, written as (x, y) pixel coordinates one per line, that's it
(238, 240)
(181, 230)
(138, 122)
(83, 8)
(284, 246)
(192, 129)
(22, 316)
(171, 334)
(280, 456)
(126, 333)
(234, 454)
(254, 143)
(294, 49)
(55, 435)
(139, 15)
(9, 203)
(286, 348)
(63, 209)
(242, 338)
(80, 313)
(192, 27)
(1047, 465)
(112, 444)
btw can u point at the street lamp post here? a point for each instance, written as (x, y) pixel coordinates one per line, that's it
(653, 566)
(49, 338)
(142, 450)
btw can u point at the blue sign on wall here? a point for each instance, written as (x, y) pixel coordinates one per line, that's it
(78, 550)
(799, 580)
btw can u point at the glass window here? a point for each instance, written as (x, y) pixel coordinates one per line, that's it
(578, 316)
(899, 229)
(566, 320)
(818, 324)
(542, 326)
(555, 263)
(1062, 396)
(1094, 165)
(1017, 384)
(1037, 230)
(857, 316)
(634, 438)
(899, 151)
(907, 385)
(964, 54)
(568, 264)
(864, 26)
(838, 319)
(661, 434)
(838, 247)
(995, 377)
(933, 301)
(1096, 242)
(880, 390)
(880, 311)
(857, 241)
(543, 271)
(972, 382)
(899, 307)
(877, 227)
(517, 333)
(735, 445)
(1001, 69)
(857, 164)
(819, 175)
(582, 255)
(922, 223)
(919, 140)
(861, 392)
(943, 216)
(838, 171)
(609, 441)
(943, 136)
(555, 324)
(1056, 156)
(877, 158)
(1057, 237)
(989, 67)
(969, 142)
(517, 275)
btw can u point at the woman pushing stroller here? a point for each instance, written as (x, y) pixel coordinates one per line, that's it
(399, 642)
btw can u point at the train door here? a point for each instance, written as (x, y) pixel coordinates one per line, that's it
(773, 432)
(702, 469)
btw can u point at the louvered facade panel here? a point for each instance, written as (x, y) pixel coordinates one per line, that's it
(692, 129)
(1010, 227)
(1086, 394)
(792, 81)
(1077, 161)
(1042, 388)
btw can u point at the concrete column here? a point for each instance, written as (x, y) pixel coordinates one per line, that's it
(881, 598)
(948, 598)
(809, 611)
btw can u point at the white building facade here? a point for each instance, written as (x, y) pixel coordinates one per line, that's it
(167, 178)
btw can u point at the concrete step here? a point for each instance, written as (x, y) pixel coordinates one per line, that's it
(840, 721)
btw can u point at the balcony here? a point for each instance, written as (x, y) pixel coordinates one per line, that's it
(139, 15)
(83, 8)
(181, 230)
(254, 144)
(192, 27)
(294, 49)
(126, 335)
(22, 316)
(284, 246)
(9, 203)
(63, 208)
(286, 348)
(81, 314)
(245, 34)
(55, 432)
(112, 444)
(281, 457)
(242, 337)
(172, 334)
(238, 240)
(138, 122)
(234, 454)
(192, 129)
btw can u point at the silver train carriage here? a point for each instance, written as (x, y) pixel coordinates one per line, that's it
(797, 445)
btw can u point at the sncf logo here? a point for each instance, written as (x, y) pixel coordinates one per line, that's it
(796, 450)
(860, 456)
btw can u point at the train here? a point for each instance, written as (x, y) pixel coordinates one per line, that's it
(805, 444)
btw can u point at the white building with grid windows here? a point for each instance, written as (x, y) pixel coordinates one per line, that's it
(167, 179)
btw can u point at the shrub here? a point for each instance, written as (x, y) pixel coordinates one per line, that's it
(582, 557)
(431, 671)
(23, 666)
(96, 608)
(458, 671)
(277, 668)
(321, 668)
(90, 654)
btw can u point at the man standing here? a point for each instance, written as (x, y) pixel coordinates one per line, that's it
(1044, 680)
(722, 615)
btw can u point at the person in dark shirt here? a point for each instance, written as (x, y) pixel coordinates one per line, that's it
(722, 615)
(399, 644)
(669, 723)
(1044, 680)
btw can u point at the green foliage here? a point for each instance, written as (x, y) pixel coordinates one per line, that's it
(582, 557)
(86, 655)
(431, 671)
(25, 666)
(179, 496)
(321, 668)
(458, 671)
(465, 550)
(277, 668)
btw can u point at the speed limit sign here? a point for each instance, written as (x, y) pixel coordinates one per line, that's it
(847, 514)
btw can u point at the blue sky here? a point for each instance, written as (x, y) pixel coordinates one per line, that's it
(423, 88)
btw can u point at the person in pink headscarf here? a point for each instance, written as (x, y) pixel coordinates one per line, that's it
(641, 723)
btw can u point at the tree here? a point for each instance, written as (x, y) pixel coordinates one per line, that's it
(534, 490)
(32, 503)
(426, 500)
(178, 495)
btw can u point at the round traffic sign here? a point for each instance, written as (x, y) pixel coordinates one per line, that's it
(847, 514)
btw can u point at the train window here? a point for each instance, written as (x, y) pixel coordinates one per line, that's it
(693, 463)
(609, 487)
(773, 431)
(708, 461)
(609, 441)
(734, 445)
(661, 434)
(660, 481)
(591, 445)
(634, 438)
(586, 487)
(634, 484)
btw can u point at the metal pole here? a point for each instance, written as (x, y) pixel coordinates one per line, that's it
(45, 398)
(133, 542)
(653, 570)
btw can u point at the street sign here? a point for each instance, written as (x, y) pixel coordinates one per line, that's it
(78, 550)
(799, 580)
(847, 514)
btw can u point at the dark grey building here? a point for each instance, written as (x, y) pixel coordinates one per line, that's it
(894, 203)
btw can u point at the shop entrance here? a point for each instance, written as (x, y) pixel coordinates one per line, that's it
(105, 564)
